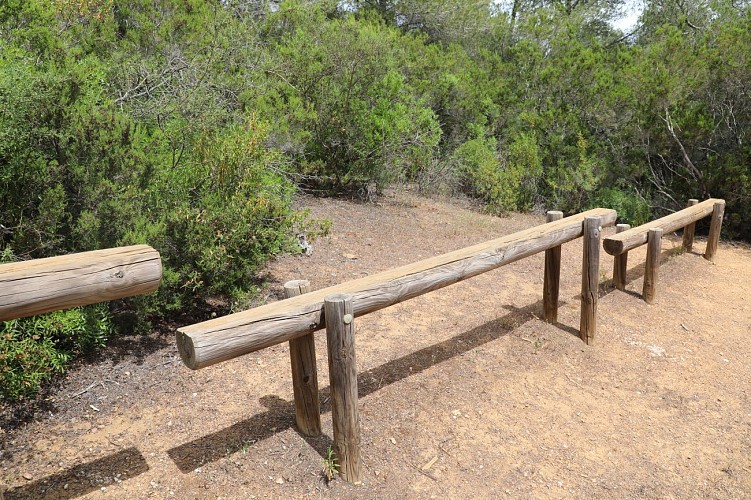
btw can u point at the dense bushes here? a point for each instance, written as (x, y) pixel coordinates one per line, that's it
(82, 171)
(341, 103)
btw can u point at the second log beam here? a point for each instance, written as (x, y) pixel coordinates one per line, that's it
(220, 339)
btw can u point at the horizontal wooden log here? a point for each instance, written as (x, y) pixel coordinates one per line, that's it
(44, 285)
(220, 339)
(637, 236)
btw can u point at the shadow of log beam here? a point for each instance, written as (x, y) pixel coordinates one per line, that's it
(84, 478)
(280, 414)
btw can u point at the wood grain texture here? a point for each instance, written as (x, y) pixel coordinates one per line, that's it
(620, 262)
(345, 418)
(637, 236)
(652, 266)
(220, 339)
(552, 279)
(44, 285)
(302, 353)
(689, 230)
(713, 240)
(590, 279)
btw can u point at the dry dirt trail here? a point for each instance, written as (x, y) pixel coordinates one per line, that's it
(464, 391)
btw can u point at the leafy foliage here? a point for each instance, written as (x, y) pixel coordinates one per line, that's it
(33, 349)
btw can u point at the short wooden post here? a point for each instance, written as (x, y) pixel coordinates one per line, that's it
(688, 231)
(714, 230)
(590, 279)
(652, 268)
(339, 316)
(620, 262)
(302, 353)
(552, 275)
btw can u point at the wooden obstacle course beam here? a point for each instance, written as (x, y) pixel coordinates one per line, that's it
(43, 285)
(345, 418)
(637, 236)
(220, 339)
(302, 353)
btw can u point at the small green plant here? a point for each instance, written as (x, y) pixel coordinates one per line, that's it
(33, 350)
(330, 465)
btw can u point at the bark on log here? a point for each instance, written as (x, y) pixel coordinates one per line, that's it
(220, 339)
(44, 285)
(345, 418)
(688, 231)
(552, 278)
(637, 236)
(302, 353)
(620, 262)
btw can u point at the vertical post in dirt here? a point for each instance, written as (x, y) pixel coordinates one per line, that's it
(590, 279)
(339, 315)
(714, 230)
(652, 268)
(302, 353)
(688, 231)
(620, 262)
(552, 275)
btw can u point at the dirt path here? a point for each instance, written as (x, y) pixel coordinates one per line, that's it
(464, 391)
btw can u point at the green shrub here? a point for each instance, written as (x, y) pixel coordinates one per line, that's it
(33, 349)
(340, 103)
(232, 210)
(504, 181)
(478, 165)
(631, 208)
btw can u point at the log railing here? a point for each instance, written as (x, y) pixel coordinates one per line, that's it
(628, 238)
(334, 308)
(44, 285)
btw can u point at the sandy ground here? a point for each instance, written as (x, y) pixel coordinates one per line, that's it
(464, 392)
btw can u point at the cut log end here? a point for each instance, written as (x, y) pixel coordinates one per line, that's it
(187, 350)
(613, 247)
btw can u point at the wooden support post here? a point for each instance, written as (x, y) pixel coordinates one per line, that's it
(620, 262)
(652, 268)
(688, 231)
(552, 275)
(590, 279)
(714, 230)
(302, 353)
(340, 337)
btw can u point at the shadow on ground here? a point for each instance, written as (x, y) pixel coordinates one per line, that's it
(280, 415)
(84, 478)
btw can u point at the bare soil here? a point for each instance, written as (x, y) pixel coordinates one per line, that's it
(464, 392)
